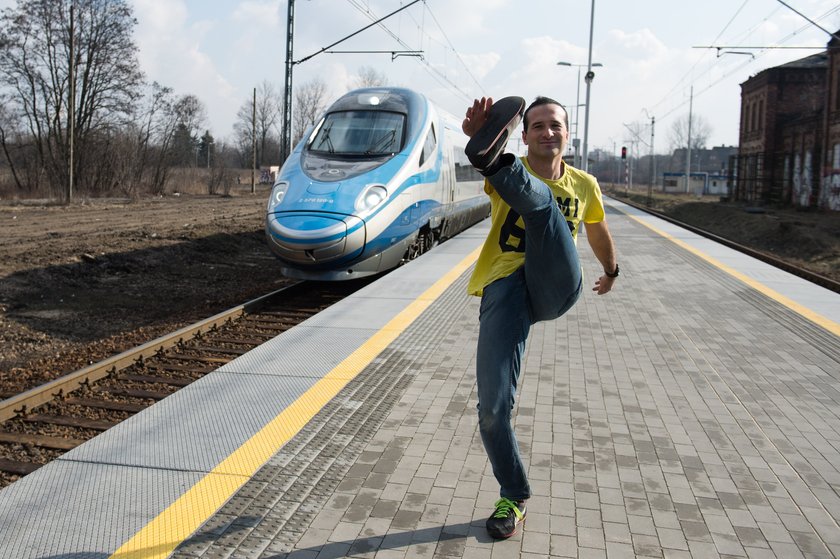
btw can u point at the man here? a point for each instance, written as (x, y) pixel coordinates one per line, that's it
(528, 269)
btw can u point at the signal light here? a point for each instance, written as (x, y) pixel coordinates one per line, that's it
(623, 152)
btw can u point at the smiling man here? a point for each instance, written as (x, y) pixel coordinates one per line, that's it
(528, 269)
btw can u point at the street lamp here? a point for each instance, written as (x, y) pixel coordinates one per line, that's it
(576, 141)
(590, 75)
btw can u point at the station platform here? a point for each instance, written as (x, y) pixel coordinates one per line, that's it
(692, 412)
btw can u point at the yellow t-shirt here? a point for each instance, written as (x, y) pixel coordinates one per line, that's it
(578, 197)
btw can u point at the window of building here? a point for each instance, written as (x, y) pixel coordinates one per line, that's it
(743, 118)
(748, 128)
(760, 125)
(837, 92)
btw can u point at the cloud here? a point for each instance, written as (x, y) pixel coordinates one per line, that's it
(161, 18)
(259, 14)
(641, 44)
(479, 64)
(172, 52)
(469, 20)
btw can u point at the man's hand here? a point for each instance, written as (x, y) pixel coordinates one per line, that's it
(476, 116)
(603, 284)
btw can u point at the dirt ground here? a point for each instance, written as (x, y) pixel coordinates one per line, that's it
(81, 283)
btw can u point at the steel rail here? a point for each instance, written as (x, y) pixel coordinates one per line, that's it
(26, 401)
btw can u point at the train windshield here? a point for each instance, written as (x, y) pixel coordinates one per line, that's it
(371, 133)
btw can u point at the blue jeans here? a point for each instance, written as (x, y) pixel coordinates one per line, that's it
(544, 288)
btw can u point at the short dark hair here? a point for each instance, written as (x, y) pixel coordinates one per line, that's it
(540, 100)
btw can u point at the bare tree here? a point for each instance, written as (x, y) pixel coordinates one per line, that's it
(310, 102)
(269, 110)
(700, 132)
(369, 77)
(221, 177)
(154, 131)
(190, 112)
(18, 149)
(35, 58)
(190, 116)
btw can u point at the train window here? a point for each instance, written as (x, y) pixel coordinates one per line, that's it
(360, 133)
(464, 171)
(429, 146)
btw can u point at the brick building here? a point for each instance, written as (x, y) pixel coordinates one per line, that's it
(781, 133)
(830, 191)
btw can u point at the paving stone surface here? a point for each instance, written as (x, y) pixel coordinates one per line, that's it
(683, 415)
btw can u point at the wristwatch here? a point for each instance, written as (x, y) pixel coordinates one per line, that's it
(613, 274)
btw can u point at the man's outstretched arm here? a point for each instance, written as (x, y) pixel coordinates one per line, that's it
(598, 235)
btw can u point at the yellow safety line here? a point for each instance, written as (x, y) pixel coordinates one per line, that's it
(164, 533)
(814, 317)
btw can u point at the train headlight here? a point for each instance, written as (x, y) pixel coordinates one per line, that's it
(371, 197)
(277, 194)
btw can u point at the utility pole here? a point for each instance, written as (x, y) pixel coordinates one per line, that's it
(617, 164)
(652, 163)
(254, 144)
(688, 146)
(71, 106)
(287, 88)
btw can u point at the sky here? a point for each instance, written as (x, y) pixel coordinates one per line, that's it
(219, 50)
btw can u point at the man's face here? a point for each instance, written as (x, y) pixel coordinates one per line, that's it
(547, 133)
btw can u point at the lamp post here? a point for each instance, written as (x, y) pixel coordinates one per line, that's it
(652, 159)
(590, 75)
(576, 141)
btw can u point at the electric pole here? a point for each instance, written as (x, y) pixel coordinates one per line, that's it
(688, 146)
(287, 87)
(652, 163)
(254, 144)
(71, 105)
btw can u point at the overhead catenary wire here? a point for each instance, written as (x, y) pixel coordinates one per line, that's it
(744, 35)
(690, 70)
(812, 22)
(457, 54)
(441, 78)
(744, 64)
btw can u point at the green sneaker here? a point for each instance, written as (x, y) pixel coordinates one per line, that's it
(504, 520)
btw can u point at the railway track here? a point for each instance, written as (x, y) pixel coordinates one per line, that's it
(813, 277)
(43, 423)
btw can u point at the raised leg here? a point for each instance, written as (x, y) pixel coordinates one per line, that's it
(552, 265)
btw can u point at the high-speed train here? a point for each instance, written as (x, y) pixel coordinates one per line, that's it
(380, 179)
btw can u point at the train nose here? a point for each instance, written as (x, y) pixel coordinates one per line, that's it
(315, 239)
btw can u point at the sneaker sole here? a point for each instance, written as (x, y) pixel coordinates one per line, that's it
(504, 116)
(506, 536)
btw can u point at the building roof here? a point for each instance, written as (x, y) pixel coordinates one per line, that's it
(813, 62)
(819, 60)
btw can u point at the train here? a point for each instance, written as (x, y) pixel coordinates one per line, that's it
(380, 179)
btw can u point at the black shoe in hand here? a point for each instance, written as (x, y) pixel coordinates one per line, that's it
(487, 145)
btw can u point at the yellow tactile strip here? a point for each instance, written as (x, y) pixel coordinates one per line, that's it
(165, 532)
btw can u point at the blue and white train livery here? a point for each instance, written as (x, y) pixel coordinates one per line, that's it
(380, 179)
